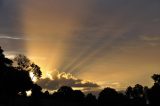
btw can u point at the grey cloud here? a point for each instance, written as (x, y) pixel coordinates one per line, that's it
(56, 83)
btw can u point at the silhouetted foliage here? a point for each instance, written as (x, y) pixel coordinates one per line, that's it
(90, 100)
(108, 96)
(66, 93)
(78, 96)
(36, 91)
(24, 63)
(154, 95)
(129, 92)
(4, 62)
(156, 78)
(36, 70)
(15, 81)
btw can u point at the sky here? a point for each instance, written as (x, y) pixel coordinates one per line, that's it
(112, 43)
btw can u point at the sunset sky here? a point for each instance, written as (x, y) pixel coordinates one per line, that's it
(112, 43)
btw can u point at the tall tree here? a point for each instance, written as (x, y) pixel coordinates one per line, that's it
(24, 63)
(12, 82)
(36, 71)
(4, 62)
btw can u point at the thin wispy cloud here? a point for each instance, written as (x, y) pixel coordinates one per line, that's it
(151, 38)
(12, 38)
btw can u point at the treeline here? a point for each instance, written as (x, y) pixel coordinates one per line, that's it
(15, 81)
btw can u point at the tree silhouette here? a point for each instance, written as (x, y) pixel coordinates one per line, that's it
(78, 96)
(90, 100)
(108, 96)
(17, 82)
(4, 62)
(23, 63)
(154, 92)
(13, 82)
(36, 71)
(129, 92)
(154, 95)
(36, 91)
(46, 94)
(66, 93)
(36, 95)
(156, 78)
(138, 91)
(138, 95)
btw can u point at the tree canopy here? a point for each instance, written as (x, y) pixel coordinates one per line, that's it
(24, 63)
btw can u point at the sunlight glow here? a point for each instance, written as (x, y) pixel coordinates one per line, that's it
(65, 75)
(34, 79)
(77, 38)
(48, 75)
(29, 93)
